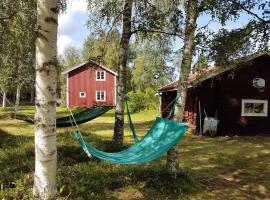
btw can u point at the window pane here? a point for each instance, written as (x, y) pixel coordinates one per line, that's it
(98, 75)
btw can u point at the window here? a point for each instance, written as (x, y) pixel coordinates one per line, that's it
(254, 107)
(100, 75)
(82, 94)
(100, 96)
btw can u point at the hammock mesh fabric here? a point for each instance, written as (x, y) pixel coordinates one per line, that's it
(83, 116)
(161, 137)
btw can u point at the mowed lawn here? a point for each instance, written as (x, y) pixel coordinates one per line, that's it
(212, 168)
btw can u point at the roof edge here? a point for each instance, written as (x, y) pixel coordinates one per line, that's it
(88, 62)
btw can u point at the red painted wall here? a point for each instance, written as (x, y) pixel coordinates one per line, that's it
(83, 79)
(222, 96)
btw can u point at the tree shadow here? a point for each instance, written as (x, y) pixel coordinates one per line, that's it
(229, 167)
(107, 181)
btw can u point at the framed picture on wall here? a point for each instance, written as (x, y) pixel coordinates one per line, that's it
(254, 107)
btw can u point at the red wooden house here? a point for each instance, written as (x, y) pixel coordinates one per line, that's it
(236, 95)
(90, 84)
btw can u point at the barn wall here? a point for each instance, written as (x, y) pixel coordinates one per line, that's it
(190, 108)
(226, 93)
(222, 97)
(83, 79)
(207, 95)
(166, 103)
(240, 87)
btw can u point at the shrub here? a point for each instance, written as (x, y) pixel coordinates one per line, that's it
(143, 100)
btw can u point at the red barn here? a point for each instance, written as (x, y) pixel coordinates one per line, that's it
(90, 84)
(237, 96)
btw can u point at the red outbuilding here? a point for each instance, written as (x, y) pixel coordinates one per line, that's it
(227, 100)
(90, 84)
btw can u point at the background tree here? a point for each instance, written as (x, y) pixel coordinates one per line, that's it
(103, 48)
(200, 64)
(17, 58)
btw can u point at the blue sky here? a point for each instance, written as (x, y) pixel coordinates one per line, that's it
(73, 30)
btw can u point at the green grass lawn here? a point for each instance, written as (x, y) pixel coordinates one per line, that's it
(212, 168)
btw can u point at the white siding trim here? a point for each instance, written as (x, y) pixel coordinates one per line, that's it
(82, 94)
(67, 92)
(115, 90)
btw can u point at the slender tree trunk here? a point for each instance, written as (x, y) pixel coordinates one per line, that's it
(188, 49)
(4, 101)
(17, 101)
(46, 84)
(122, 74)
(32, 97)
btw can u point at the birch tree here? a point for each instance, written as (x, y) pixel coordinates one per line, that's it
(189, 44)
(45, 116)
(122, 73)
(4, 100)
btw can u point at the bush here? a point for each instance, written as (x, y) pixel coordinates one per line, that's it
(143, 100)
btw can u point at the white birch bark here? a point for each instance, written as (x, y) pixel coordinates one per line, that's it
(17, 101)
(45, 116)
(4, 100)
(122, 76)
(188, 49)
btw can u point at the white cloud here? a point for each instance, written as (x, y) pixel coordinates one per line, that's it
(72, 29)
(70, 20)
(77, 6)
(62, 42)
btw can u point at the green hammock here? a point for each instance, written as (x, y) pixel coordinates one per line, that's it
(80, 117)
(161, 137)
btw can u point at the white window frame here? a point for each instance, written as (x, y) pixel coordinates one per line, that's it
(82, 96)
(100, 91)
(265, 108)
(100, 72)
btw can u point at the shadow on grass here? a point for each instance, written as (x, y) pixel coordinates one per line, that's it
(105, 181)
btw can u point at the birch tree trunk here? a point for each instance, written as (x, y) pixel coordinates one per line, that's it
(4, 100)
(17, 101)
(188, 49)
(122, 74)
(45, 116)
(32, 97)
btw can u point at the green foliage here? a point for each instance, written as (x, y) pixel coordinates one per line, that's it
(103, 48)
(17, 46)
(231, 44)
(143, 100)
(70, 57)
(148, 16)
(201, 64)
(151, 68)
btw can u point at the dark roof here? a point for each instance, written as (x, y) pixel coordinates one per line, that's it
(211, 72)
(88, 62)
